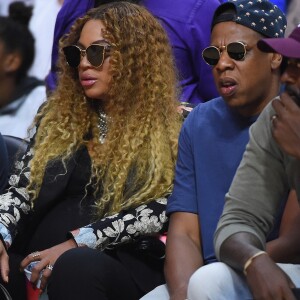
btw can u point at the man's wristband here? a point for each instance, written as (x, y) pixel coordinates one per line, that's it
(250, 260)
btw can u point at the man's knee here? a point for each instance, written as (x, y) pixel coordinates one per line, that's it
(208, 282)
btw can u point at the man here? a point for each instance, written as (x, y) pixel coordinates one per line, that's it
(215, 134)
(270, 167)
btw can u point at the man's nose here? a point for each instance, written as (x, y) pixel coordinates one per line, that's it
(225, 61)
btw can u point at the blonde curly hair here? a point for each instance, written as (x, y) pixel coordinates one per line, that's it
(136, 163)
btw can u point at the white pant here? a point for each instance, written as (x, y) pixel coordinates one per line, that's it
(217, 281)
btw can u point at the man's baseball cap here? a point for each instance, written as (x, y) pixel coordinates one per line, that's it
(261, 16)
(288, 47)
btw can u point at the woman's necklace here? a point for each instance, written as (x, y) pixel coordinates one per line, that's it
(102, 125)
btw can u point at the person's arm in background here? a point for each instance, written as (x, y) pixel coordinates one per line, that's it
(69, 12)
(198, 31)
(183, 253)
(3, 165)
(188, 29)
(250, 208)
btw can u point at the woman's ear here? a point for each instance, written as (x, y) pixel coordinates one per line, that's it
(276, 60)
(12, 62)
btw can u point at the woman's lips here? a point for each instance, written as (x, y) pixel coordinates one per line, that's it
(87, 82)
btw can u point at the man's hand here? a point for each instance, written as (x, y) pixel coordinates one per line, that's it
(47, 259)
(267, 281)
(286, 125)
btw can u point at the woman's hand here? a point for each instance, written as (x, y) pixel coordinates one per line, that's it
(4, 266)
(47, 259)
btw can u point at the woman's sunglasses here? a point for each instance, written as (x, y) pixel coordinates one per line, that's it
(235, 50)
(95, 54)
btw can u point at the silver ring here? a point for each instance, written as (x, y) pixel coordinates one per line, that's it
(49, 267)
(273, 118)
(35, 254)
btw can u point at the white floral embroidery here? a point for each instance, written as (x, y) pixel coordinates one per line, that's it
(128, 217)
(162, 201)
(23, 192)
(101, 240)
(14, 180)
(141, 221)
(25, 208)
(27, 175)
(111, 217)
(7, 219)
(118, 226)
(15, 202)
(163, 217)
(125, 239)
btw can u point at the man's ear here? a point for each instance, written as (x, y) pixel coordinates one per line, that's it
(12, 62)
(276, 60)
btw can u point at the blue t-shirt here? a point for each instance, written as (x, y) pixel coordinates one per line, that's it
(211, 145)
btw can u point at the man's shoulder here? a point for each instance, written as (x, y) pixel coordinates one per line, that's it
(211, 107)
(206, 114)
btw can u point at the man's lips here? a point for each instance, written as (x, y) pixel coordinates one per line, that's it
(227, 87)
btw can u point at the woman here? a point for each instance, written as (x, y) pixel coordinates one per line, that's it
(103, 154)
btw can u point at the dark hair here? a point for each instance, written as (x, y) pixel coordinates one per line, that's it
(16, 37)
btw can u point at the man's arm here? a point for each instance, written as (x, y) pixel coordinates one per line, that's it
(286, 248)
(183, 253)
(265, 279)
(251, 205)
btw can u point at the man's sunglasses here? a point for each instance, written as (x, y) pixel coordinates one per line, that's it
(95, 54)
(235, 50)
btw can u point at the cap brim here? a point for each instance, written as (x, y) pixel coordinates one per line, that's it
(285, 46)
